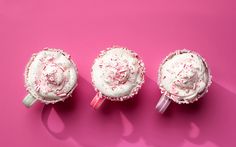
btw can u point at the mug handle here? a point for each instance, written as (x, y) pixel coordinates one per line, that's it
(163, 103)
(97, 101)
(29, 100)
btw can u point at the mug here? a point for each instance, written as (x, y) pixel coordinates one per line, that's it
(117, 75)
(183, 77)
(50, 77)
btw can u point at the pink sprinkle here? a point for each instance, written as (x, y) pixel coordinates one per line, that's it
(62, 94)
(37, 88)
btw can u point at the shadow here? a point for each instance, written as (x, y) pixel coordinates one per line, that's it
(215, 119)
(81, 122)
(208, 120)
(64, 109)
(147, 123)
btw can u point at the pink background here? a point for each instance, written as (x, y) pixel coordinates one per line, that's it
(152, 28)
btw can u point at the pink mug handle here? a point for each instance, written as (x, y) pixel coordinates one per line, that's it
(163, 103)
(97, 101)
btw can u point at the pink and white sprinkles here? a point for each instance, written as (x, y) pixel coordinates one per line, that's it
(50, 75)
(184, 76)
(118, 73)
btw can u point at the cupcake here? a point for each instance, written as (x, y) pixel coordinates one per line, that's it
(117, 75)
(50, 77)
(183, 77)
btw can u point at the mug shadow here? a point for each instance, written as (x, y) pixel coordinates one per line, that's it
(136, 119)
(209, 120)
(214, 119)
(81, 122)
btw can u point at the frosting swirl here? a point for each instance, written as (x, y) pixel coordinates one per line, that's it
(50, 75)
(118, 73)
(184, 75)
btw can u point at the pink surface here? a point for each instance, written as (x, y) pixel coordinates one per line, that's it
(151, 28)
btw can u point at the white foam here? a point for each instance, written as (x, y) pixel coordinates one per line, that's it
(184, 76)
(117, 73)
(61, 71)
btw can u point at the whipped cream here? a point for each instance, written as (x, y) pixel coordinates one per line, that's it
(184, 76)
(118, 73)
(51, 75)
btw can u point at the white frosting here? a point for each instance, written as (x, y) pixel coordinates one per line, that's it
(118, 73)
(184, 75)
(50, 75)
